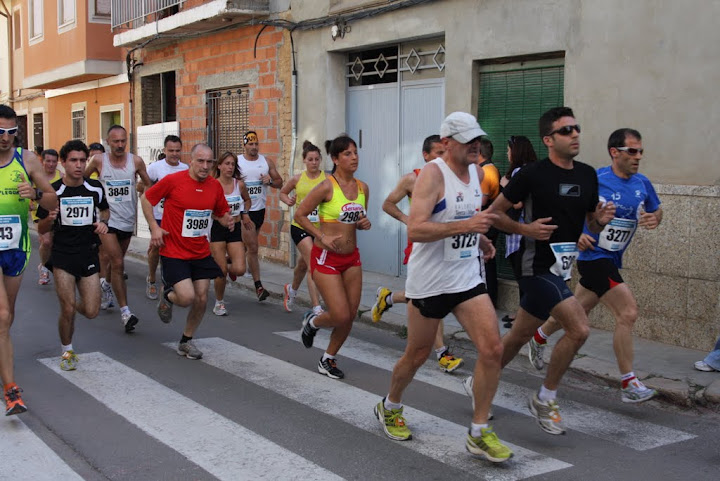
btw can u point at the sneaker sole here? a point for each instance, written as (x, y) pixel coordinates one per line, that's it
(455, 368)
(131, 323)
(380, 417)
(555, 431)
(327, 373)
(17, 409)
(639, 400)
(478, 451)
(194, 358)
(536, 361)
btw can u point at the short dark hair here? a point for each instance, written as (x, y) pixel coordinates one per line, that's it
(547, 119)
(97, 146)
(617, 138)
(338, 145)
(6, 112)
(172, 138)
(45, 152)
(429, 141)
(486, 149)
(116, 127)
(71, 145)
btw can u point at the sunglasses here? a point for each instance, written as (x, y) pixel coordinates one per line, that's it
(511, 141)
(565, 131)
(631, 150)
(10, 131)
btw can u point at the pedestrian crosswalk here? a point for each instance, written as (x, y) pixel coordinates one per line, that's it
(228, 450)
(595, 422)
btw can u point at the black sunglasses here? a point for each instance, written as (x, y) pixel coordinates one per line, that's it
(511, 141)
(631, 150)
(565, 131)
(10, 131)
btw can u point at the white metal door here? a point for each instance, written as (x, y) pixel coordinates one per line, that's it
(372, 120)
(422, 109)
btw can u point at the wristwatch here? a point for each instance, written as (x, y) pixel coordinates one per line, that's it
(38, 194)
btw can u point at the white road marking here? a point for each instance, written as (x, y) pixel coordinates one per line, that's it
(617, 428)
(222, 447)
(432, 436)
(26, 456)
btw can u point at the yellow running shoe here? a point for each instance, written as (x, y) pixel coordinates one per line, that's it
(393, 422)
(449, 363)
(489, 446)
(69, 361)
(381, 305)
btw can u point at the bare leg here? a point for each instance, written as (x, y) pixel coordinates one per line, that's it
(621, 302)
(153, 254)
(250, 238)
(343, 299)
(65, 289)
(571, 316)
(9, 288)
(218, 250)
(197, 309)
(305, 247)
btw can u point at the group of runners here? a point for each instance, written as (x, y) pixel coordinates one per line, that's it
(204, 219)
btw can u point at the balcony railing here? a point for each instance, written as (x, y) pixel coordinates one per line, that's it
(135, 13)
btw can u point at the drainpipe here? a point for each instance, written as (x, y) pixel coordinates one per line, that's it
(293, 122)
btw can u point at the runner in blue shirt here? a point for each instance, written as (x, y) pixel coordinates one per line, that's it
(636, 204)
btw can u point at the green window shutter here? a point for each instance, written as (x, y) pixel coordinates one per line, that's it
(510, 103)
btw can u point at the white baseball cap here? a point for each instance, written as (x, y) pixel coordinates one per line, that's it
(461, 126)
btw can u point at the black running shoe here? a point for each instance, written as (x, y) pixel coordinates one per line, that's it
(308, 332)
(330, 369)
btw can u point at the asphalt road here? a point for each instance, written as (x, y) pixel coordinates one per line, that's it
(256, 408)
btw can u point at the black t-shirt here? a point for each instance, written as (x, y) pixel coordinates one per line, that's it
(74, 232)
(547, 190)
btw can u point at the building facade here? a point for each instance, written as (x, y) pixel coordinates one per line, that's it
(205, 70)
(387, 72)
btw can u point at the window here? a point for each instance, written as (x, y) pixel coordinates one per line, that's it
(370, 67)
(228, 118)
(78, 123)
(22, 134)
(35, 20)
(17, 30)
(99, 11)
(38, 130)
(66, 14)
(158, 98)
(512, 97)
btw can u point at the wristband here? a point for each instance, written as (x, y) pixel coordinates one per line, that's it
(104, 221)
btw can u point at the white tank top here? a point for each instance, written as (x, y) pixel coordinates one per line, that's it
(449, 265)
(252, 170)
(120, 190)
(156, 171)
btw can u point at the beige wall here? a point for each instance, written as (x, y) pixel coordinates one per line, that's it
(647, 64)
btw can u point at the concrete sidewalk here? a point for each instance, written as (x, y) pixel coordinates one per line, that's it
(669, 369)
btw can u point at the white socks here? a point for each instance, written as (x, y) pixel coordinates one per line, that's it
(475, 429)
(67, 348)
(546, 395)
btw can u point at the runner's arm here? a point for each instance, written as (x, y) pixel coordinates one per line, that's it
(92, 166)
(539, 229)
(364, 222)
(429, 190)
(37, 176)
(320, 193)
(287, 188)
(402, 189)
(275, 180)
(141, 170)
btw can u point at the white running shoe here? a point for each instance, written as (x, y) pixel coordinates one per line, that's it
(219, 309)
(536, 352)
(637, 392)
(547, 415)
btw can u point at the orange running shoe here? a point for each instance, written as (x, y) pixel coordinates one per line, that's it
(13, 402)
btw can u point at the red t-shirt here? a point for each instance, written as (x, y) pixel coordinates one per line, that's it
(185, 201)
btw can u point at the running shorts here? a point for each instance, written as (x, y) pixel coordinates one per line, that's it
(327, 262)
(599, 275)
(437, 307)
(542, 293)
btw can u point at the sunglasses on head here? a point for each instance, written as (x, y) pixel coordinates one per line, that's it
(10, 131)
(565, 131)
(631, 150)
(511, 141)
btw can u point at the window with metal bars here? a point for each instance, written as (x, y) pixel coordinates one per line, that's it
(228, 118)
(78, 125)
(510, 102)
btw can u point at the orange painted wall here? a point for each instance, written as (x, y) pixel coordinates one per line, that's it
(59, 123)
(83, 42)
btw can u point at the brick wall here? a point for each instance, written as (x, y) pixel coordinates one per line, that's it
(209, 61)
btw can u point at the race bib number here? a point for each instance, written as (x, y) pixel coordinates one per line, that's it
(10, 232)
(351, 213)
(76, 211)
(616, 235)
(235, 202)
(461, 247)
(160, 207)
(254, 188)
(565, 254)
(196, 223)
(118, 190)
(314, 217)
